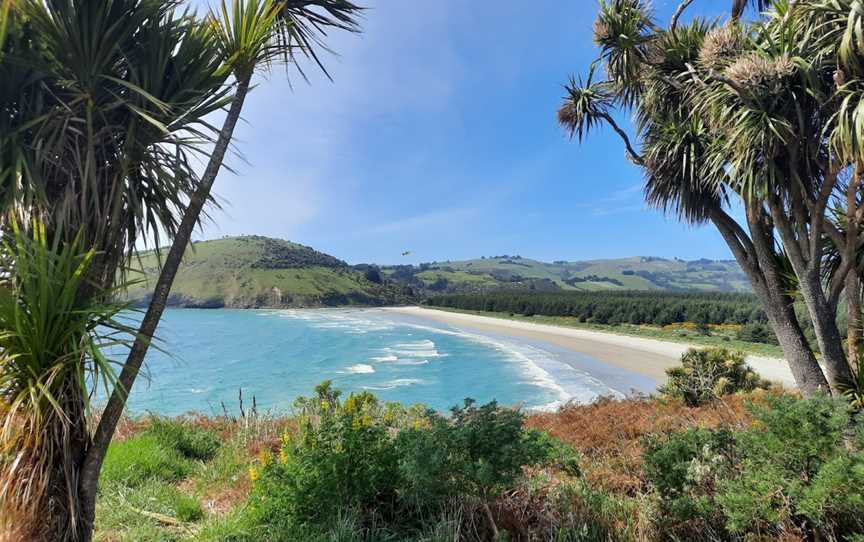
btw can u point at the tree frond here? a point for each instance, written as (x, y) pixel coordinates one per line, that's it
(585, 106)
(623, 31)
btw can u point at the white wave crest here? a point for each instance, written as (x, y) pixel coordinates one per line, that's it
(360, 369)
(393, 384)
(384, 359)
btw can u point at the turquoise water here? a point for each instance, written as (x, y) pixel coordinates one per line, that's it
(209, 355)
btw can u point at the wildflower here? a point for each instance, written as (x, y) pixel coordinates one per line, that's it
(254, 475)
(265, 457)
(283, 456)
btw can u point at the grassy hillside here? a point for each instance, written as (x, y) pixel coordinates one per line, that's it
(517, 273)
(254, 271)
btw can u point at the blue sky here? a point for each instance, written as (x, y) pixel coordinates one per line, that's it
(438, 136)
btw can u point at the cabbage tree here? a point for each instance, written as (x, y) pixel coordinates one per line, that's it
(763, 116)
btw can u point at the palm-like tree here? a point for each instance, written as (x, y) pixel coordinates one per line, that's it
(250, 35)
(103, 106)
(51, 361)
(767, 113)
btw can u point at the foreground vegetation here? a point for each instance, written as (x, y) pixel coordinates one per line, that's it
(755, 464)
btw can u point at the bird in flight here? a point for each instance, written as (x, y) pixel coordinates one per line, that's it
(406, 253)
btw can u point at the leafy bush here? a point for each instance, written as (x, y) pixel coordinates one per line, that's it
(190, 441)
(389, 464)
(341, 458)
(795, 469)
(789, 465)
(684, 469)
(710, 373)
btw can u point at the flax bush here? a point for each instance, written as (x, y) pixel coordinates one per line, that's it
(707, 374)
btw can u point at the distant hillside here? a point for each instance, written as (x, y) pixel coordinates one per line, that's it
(517, 273)
(254, 271)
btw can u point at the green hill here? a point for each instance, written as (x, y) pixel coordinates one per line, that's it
(517, 273)
(255, 271)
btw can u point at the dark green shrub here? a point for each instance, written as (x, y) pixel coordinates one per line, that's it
(342, 458)
(757, 332)
(684, 468)
(797, 468)
(783, 456)
(190, 441)
(710, 373)
(426, 454)
(493, 446)
(390, 465)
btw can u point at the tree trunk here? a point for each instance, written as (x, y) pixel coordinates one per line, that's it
(827, 333)
(116, 404)
(809, 376)
(491, 519)
(764, 279)
(853, 310)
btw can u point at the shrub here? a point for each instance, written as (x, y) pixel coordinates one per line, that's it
(793, 444)
(796, 469)
(341, 458)
(388, 464)
(493, 446)
(190, 441)
(710, 373)
(757, 332)
(684, 469)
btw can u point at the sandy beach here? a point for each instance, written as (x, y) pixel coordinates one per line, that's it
(646, 357)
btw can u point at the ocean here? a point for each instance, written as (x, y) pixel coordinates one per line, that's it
(204, 358)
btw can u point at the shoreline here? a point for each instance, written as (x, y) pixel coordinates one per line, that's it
(641, 356)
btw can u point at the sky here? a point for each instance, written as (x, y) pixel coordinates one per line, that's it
(438, 136)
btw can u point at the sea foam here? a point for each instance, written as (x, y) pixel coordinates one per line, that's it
(360, 368)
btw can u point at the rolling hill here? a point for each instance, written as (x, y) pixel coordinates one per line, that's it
(517, 273)
(255, 271)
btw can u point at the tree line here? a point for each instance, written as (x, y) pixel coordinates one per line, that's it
(620, 307)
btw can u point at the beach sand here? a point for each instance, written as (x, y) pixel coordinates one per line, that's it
(642, 356)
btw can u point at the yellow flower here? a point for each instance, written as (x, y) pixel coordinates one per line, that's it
(283, 456)
(254, 475)
(325, 405)
(265, 457)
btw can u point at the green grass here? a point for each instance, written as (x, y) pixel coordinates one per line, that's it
(716, 338)
(256, 271)
(153, 484)
(133, 462)
(190, 441)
